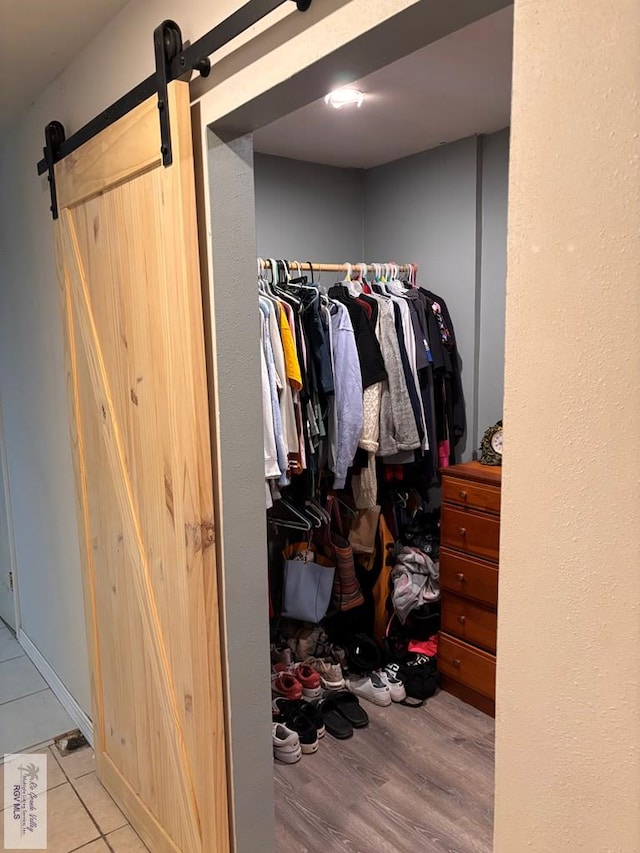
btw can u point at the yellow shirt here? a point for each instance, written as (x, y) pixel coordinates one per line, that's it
(290, 355)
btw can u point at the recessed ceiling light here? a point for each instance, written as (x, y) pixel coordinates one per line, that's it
(344, 97)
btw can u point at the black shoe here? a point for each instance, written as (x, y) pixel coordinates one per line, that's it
(306, 731)
(287, 709)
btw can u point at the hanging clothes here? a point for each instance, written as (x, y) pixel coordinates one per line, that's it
(348, 394)
(273, 379)
(450, 417)
(364, 375)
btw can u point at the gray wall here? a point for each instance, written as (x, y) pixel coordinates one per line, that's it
(36, 431)
(495, 174)
(305, 211)
(233, 354)
(423, 208)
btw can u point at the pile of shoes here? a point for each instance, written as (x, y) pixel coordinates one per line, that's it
(321, 693)
(299, 725)
(310, 698)
(316, 674)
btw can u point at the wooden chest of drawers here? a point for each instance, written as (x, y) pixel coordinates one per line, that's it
(470, 540)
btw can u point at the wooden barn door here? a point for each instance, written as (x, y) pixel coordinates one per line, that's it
(128, 268)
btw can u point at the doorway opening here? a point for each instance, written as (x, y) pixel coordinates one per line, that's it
(415, 175)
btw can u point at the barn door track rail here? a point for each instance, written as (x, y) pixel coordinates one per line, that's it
(173, 60)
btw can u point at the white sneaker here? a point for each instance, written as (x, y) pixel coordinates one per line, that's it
(389, 676)
(330, 674)
(286, 744)
(369, 687)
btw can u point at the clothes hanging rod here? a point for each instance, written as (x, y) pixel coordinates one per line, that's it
(355, 268)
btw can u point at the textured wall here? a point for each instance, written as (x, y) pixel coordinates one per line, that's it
(305, 211)
(568, 716)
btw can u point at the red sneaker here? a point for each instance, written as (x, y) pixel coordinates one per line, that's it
(307, 677)
(310, 680)
(285, 684)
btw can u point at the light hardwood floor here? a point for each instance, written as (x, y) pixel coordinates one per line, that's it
(414, 781)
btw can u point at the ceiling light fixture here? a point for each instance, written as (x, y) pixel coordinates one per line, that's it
(344, 97)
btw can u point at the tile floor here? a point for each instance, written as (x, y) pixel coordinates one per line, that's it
(81, 815)
(29, 712)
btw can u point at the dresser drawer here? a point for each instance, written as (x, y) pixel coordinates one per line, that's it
(469, 577)
(466, 493)
(469, 621)
(472, 667)
(470, 532)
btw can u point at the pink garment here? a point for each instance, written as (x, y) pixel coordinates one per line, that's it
(425, 647)
(443, 453)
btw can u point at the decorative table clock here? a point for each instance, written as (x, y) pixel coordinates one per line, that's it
(491, 446)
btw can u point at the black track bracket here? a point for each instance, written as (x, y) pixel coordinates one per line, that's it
(167, 43)
(53, 137)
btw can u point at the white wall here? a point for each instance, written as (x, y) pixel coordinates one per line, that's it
(568, 689)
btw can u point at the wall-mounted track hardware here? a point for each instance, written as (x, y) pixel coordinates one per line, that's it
(173, 60)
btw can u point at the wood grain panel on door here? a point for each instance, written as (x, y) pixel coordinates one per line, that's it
(127, 255)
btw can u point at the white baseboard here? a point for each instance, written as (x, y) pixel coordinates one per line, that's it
(57, 687)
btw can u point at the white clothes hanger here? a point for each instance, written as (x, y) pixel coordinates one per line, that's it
(264, 286)
(394, 284)
(354, 287)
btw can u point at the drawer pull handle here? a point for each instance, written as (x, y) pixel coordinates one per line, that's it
(456, 663)
(462, 619)
(460, 577)
(462, 494)
(462, 531)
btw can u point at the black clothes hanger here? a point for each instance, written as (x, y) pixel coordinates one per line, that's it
(301, 279)
(296, 520)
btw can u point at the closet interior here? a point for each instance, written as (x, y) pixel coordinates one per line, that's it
(381, 235)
